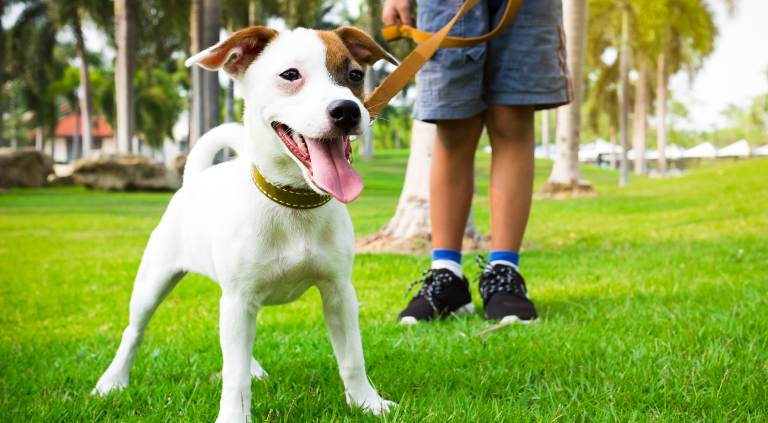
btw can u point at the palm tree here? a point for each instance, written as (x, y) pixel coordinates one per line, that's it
(412, 218)
(32, 60)
(86, 106)
(125, 64)
(624, 70)
(196, 121)
(4, 6)
(680, 34)
(566, 174)
(210, 35)
(70, 13)
(640, 118)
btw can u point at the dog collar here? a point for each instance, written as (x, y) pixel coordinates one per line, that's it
(289, 197)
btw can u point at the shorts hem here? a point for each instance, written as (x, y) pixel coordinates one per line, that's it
(540, 101)
(434, 113)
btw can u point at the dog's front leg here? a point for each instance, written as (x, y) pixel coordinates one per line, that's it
(238, 327)
(341, 315)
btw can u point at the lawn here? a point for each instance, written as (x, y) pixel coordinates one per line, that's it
(652, 299)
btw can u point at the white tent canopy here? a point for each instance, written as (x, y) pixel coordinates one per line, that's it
(671, 152)
(762, 151)
(737, 149)
(594, 149)
(648, 153)
(705, 151)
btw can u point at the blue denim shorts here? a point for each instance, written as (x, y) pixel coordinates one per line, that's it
(524, 65)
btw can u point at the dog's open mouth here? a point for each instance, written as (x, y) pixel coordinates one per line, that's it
(327, 161)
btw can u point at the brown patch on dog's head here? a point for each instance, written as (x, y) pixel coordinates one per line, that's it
(237, 52)
(349, 49)
(364, 49)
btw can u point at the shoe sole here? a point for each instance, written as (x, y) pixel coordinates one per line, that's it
(465, 310)
(511, 320)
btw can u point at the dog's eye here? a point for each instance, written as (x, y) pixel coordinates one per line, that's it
(356, 75)
(290, 75)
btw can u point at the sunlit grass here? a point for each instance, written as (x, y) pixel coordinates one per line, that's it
(652, 300)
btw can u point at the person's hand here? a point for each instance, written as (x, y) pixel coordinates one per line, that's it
(395, 10)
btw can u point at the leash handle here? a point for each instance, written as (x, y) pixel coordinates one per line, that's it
(428, 45)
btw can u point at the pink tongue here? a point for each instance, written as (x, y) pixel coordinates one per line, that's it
(331, 171)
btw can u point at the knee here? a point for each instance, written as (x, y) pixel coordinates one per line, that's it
(460, 135)
(511, 124)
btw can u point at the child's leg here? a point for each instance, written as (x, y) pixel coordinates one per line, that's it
(452, 179)
(510, 129)
(502, 288)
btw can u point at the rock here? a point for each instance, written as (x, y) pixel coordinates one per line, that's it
(124, 172)
(61, 181)
(24, 167)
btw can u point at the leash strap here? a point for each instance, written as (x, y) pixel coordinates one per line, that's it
(428, 44)
(293, 198)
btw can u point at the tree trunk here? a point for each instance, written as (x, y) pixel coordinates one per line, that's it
(124, 72)
(661, 112)
(545, 132)
(612, 156)
(366, 139)
(639, 140)
(565, 179)
(196, 121)
(39, 140)
(411, 221)
(254, 12)
(624, 65)
(86, 103)
(75, 141)
(211, 28)
(2, 67)
(229, 110)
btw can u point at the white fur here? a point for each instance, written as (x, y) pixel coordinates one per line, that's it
(261, 253)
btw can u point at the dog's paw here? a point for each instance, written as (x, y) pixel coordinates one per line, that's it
(372, 404)
(256, 371)
(108, 383)
(382, 406)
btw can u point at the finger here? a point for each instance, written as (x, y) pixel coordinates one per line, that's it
(404, 10)
(389, 15)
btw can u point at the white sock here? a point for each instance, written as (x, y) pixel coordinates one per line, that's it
(450, 265)
(506, 263)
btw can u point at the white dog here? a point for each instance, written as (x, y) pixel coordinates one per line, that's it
(237, 223)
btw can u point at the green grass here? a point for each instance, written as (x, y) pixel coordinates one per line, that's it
(652, 300)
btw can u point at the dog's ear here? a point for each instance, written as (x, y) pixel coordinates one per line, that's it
(364, 49)
(235, 53)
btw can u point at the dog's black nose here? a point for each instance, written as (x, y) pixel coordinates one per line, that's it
(344, 114)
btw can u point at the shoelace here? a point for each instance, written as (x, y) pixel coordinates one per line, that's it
(431, 285)
(498, 279)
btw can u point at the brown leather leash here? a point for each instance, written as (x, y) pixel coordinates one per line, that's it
(428, 44)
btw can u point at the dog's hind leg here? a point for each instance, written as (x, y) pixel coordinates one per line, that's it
(341, 316)
(158, 275)
(256, 371)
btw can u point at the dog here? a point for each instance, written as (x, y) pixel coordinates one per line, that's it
(303, 92)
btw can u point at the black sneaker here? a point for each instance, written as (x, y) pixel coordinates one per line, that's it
(504, 294)
(441, 295)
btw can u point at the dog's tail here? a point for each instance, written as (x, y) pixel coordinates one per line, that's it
(201, 157)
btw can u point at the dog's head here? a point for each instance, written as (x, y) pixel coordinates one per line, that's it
(303, 92)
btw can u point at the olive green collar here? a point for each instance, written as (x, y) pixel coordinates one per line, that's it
(286, 196)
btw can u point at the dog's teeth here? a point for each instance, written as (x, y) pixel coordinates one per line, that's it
(303, 146)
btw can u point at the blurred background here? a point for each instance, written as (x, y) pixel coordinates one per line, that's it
(82, 78)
